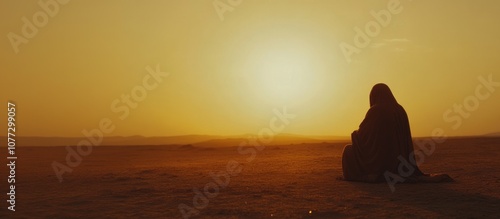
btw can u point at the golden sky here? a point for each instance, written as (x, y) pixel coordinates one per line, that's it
(230, 66)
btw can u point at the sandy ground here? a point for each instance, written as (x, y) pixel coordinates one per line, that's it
(291, 181)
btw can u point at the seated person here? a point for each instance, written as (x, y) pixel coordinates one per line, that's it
(381, 142)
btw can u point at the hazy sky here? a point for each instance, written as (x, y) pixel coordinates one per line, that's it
(226, 76)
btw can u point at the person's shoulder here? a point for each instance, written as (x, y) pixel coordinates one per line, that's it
(384, 110)
(401, 108)
(377, 109)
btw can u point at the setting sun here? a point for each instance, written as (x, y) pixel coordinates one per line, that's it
(282, 72)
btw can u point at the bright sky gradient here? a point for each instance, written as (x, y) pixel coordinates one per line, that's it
(226, 77)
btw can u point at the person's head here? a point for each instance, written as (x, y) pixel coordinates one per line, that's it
(381, 94)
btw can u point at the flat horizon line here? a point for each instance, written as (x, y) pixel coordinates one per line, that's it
(493, 134)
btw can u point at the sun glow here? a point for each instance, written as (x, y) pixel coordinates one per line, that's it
(226, 77)
(283, 73)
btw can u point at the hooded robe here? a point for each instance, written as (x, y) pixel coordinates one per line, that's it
(382, 137)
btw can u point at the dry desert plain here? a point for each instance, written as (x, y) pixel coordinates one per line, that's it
(282, 181)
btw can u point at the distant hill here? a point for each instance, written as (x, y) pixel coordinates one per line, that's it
(113, 140)
(494, 134)
(194, 140)
(198, 140)
(282, 139)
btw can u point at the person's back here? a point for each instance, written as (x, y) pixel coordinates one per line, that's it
(381, 137)
(381, 142)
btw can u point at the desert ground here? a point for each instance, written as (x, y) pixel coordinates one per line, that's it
(282, 181)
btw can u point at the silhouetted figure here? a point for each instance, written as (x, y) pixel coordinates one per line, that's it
(382, 142)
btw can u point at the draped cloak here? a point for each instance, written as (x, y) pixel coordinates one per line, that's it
(382, 137)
